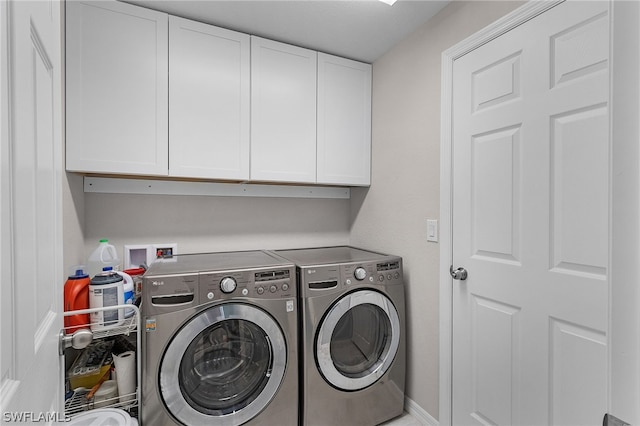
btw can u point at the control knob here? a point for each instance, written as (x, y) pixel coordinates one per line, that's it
(360, 273)
(228, 285)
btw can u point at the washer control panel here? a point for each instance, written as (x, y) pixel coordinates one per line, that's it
(261, 283)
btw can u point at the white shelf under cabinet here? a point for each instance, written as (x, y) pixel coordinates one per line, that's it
(105, 185)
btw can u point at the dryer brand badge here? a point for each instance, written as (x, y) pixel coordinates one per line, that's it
(157, 283)
(311, 271)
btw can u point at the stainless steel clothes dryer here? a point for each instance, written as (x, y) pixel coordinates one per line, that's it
(352, 319)
(220, 344)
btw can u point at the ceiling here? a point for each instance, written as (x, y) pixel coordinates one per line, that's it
(358, 29)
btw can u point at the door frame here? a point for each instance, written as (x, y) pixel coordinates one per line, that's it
(624, 225)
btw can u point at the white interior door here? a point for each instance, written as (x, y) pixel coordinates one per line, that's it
(531, 197)
(31, 244)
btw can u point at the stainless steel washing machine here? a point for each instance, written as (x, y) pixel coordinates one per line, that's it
(220, 344)
(352, 319)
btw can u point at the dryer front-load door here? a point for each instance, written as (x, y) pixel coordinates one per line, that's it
(224, 366)
(358, 340)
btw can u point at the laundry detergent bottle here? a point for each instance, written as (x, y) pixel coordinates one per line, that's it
(103, 256)
(106, 289)
(127, 289)
(76, 297)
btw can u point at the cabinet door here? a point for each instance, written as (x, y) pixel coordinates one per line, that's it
(283, 112)
(209, 93)
(344, 121)
(117, 88)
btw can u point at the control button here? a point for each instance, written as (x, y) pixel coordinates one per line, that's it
(260, 290)
(273, 288)
(285, 287)
(381, 278)
(228, 285)
(396, 275)
(389, 277)
(348, 281)
(210, 295)
(360, 273)
(371, 279)
(245, 292)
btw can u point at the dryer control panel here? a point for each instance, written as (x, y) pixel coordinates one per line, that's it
(322, 279)
(387, 272)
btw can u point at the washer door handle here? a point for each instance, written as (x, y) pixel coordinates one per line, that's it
(458, 274)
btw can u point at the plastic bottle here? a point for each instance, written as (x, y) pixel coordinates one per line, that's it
(128, 292)
(106, 289)
(127, 288)
(105, 255)
(76, 297)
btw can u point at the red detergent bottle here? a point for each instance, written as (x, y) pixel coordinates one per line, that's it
(76, 297)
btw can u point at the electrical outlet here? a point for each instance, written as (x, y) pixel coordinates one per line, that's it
(164, 252)
(139, 254)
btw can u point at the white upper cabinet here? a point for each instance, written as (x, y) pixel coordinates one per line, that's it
(157, 95)
(209, 95)
(117, 88)
(283, 112)
(344, 121)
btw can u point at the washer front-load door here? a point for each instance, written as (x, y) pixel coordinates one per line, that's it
(224, 366)
(358, 340)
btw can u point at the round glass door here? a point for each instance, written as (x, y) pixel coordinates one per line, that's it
(358, 340)
(225, 364)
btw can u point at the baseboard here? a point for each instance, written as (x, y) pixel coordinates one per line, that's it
(419, 413)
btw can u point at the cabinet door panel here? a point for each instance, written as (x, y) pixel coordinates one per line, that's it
(209, 78)
(116, 88)
(344, 121)
(283, 112)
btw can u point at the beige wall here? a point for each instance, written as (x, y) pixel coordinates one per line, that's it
(200, 224)
(392, 215)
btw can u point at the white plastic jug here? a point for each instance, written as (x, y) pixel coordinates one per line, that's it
(128, 292)
(104, 256)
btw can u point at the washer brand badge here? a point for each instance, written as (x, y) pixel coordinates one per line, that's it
(150, 325)
(311, 271)
(290, 306)
(157, 283)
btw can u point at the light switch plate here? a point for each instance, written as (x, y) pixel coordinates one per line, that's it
(432, 230)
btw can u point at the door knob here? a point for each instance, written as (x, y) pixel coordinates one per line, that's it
(458, 274)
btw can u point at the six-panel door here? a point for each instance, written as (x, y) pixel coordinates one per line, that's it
(531, 203)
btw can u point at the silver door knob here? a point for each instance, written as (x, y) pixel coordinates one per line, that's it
(458, 274)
